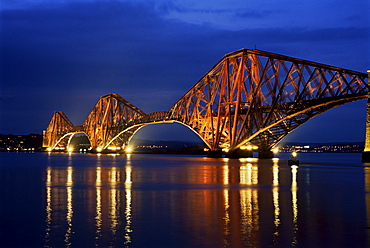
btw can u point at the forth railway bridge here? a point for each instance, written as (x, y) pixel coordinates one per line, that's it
(250, 98)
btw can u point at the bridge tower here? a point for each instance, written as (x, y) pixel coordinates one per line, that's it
(366, 152)
(58, 127)
(107, 121)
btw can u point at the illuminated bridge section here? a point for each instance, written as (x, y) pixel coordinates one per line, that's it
(110, 125)
(252, 97)
(56, 131)
(111, 115)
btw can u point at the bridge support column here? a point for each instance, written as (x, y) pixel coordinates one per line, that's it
(239, 153)
(264, 151)
(215, 154)
(366, 152)
(265, 154)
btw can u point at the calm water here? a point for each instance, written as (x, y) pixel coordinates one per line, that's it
(85, 200)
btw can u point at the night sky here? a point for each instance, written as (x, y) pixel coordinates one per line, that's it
(64, 55)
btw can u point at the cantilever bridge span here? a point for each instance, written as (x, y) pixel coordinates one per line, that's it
(250, 97)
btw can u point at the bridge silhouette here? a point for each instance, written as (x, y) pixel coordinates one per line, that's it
(250, 98)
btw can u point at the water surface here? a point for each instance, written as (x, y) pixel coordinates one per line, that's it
(86, 200)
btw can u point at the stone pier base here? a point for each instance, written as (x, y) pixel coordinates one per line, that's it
(238, 153)
(215, 154)
(365, 157)
(265, 154)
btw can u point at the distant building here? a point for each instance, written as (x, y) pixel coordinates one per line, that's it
(30, 142)
(342, 147)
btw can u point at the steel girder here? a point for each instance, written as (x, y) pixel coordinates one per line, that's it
(111, 115)
(252, 96)
(58, 127)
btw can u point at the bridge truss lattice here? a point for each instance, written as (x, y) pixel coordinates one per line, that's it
(248, 97)
(252, 96)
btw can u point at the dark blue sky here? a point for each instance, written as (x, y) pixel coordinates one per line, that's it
(57, 55)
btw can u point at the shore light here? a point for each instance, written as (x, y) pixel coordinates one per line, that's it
(99, 149)
(294, 154)
(294, 160)
(70, 149)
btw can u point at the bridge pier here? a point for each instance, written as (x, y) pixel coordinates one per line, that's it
(366, 152)
(239, 153)
(215, 154)
(265, 153)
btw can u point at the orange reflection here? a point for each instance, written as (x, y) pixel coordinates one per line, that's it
(235, 207)
(226, 217)
(59, 202)
(103, 200)
(69, 217)
(249, 214)
(128, 210)
(114, 214)
(69, 176)
(275, 197)
(48, 208)
(246, 174)
(367, 197)
(294, 203)
(225, 174)
(255, 174)
(98, 214)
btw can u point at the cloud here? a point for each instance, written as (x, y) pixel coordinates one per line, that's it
(249, 14)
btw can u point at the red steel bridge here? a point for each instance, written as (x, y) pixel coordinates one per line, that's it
(250, 98)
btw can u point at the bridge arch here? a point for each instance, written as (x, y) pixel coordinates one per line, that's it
(131, 131)
(297, 119)
(332, 125)
(64, 143)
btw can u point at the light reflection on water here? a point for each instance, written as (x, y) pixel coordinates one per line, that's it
(241, 208)
(159, 201)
